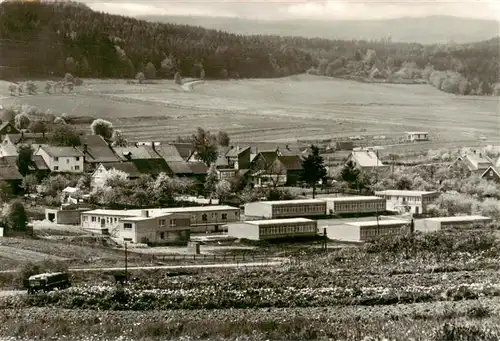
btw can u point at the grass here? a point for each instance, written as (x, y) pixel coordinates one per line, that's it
(277, 110)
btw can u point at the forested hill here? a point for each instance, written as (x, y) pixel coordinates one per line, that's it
(50, 39)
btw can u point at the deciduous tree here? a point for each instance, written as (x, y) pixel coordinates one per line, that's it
(15, 217)
(24, 159)
(223, 139)
(102, 128)
(205, 145)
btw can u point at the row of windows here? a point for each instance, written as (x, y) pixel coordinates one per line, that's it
(359, 205)
(290, 229)
(56, 159)
(299, 208)
(379, 231)
(94, 219)
(162, 222)
(56, 168)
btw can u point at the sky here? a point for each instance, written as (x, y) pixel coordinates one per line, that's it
(303, 9)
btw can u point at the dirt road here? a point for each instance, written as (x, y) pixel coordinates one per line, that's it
(25, 255)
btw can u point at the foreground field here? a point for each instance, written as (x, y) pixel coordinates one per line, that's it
(276, 110)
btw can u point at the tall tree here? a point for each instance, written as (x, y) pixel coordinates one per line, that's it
(15, 217)
(205, 145)
(211, 180)
(103, 128)
(24, 159)
(350, 174)
(314, 169)
(65, 135)
(223, 139)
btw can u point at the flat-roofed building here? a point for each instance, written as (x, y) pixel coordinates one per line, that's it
(273, 228)
(355, 204)
(436, 224)
(363, 231)
(412, 136)
(160, 229)
(403, 201)
(203, 218)
(286, 208)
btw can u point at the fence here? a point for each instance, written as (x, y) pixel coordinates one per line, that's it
(208, 257)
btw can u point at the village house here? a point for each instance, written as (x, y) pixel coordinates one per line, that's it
(96, 151)
(366, 160)
(269, 168)
(62, 159)
(491, 174)
(238, 158)
(145, 158)
(10, 176)
(415, 136)
(415, 202)
(273, 229)
(37, 167)
(476, 162)
(100, 175)
(172, 154)
(10, 142)
(7, 128)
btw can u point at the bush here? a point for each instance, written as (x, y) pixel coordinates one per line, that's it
(78, 81)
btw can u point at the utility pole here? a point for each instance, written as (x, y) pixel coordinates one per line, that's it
(126, 263)
(325, 240)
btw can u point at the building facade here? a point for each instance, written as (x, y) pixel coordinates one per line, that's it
(415, 202)
(436, 224)
(273, 229)
(286, 208)
(160, 229)
(355, 204)
(413, 136)
(364, 231)
(62, 159)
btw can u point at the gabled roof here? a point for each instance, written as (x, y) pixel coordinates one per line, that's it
(198, 168)
(185, 149)
(269, 156)
(13, 130)
(180, 167)
(152, 166)
(28, 138)
(366, 158)
(61, 151)
(93, 141)
(234, 152)
(98, 150)
(169, 152)
(476, 161)
(126, 167)
(9, 172)
(38, 162)
(137, 153)
(292, 162)
(221, 161)
(493, 169)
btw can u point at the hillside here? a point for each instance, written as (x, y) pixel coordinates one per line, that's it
(40, 40)
(428, 30)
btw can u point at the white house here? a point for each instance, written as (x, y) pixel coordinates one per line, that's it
(366, 160)
(412, 136)
(403, 201)
(476, 162)
(61, 159)
(101, 173)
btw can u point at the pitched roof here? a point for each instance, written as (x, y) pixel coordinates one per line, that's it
(234, 152)
(98, 149)
(6, 124)
(9, 172)
(185, 149)
(151, 166)
(366, 158)
(269, 156)
(180, 167)
(493, 169)
(38, 162)
(169, 152)
(137, 153)
(198, 167)
(291, 162)
(28, 138)
(221, 161)
(126, 167)
(61, 151)
(93, 141)
(476, 161)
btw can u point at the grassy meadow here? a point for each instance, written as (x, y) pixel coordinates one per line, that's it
(275, 110)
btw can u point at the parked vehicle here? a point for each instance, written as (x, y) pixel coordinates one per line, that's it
(48, 281)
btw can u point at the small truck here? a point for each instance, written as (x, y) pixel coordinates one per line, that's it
(47, 282)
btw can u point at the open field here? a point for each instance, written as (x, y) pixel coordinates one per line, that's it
(276, 110)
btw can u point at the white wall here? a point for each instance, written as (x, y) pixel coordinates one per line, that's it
(243, 230)
(347, 233)
(426, 225)
(93, 223)
(64, 164)
(258, 209)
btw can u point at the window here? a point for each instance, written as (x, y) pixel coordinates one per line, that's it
(127, 240)
(56, 159)
(56, 168)
(162, 222)
(224, 216)
(173, 222)
(204, 217)
(127, 226)
(67, 161)
(162, 235)
(77, 167)
(77, 158)
(93, 219)
(85, 218)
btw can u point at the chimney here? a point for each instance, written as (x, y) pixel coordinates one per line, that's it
(145, 213)
(85, 148)
(153, 145)
(286, 146)
(237, 148)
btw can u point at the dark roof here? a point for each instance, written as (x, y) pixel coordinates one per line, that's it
(269, 156)
(9, 172)
(39, 162)
(180, 167)
(126, 167)
(152, 166)
(137, 153)
(185, 149)
(61, 151)
(234, 152)
(291, 162)
(98, 150)
(198, 167)
(28, 138)
(221, 161)
(170, 153)
(13, 130)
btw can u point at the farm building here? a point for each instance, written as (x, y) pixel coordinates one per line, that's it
(403, 201)
(413, 136)
(355, 204)
(203, 218)
(273, 228)
(64, 215)
(286, 208)
(436, 224)
(162, 228)
(62, 159)
(362, 231)
(366, 160)
(475, 161)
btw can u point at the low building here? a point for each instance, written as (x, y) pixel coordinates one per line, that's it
(436, 224)
(62, 159)
(476, 162)
(65, 216)
(413, 136)
(355, 204)
(273, 229)
(159, 229)
(402, 201)
(286, 208)
(203, 218)
(363, 231)
(366, 160)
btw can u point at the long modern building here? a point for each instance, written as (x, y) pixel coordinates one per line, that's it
(402, 201)
(273, 228)
(202, 218)
(436, 224)
(285, 209)
(363, 231)
(355, 204)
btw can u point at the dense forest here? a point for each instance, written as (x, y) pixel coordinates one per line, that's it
(40, 39)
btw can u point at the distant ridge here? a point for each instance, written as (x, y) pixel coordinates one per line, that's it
(426, 30)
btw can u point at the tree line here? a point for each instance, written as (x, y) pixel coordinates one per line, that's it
(71, 38)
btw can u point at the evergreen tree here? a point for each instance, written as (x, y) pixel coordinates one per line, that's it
(314, 169)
